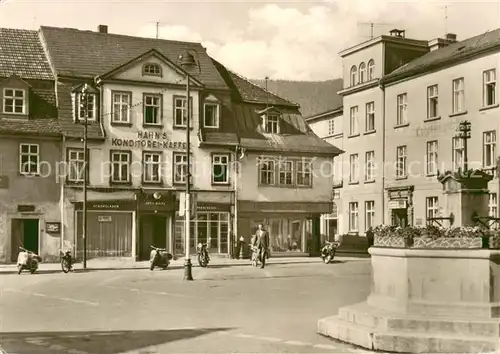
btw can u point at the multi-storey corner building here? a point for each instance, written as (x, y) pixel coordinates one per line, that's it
(30, 147)
(328, 126)
(403, 100)
(253, 157)
(426, 100)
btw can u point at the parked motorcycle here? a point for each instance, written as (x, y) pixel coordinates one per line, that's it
(27, 260)
(203, 257)
(66, 260)
(159, 257)
(328, 251)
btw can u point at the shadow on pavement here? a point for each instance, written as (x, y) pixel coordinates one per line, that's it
(99, 342)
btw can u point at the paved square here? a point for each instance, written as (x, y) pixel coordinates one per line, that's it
(226, 309)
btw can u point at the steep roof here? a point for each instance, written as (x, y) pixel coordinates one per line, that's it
(445, 56)
(249, 92)
(86, 53)
(314, 97)
(22, 54)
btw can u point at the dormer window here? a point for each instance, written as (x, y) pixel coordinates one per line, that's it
(271, 123)
(14, 101)
(211, 115)
(90, 110)
(151, 69)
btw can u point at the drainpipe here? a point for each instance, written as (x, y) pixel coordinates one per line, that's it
(235, 226)
(382, 191)
(62, 180)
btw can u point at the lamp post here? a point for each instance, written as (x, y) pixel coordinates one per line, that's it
(84, 104)
(187, 62)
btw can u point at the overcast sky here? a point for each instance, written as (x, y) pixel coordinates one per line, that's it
(282, 39)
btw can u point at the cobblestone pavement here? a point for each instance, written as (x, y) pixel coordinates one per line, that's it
(226, 309)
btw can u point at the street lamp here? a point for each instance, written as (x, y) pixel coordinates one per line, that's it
(188, 62)
(84, 96)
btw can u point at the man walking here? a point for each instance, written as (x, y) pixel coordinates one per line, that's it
(261, 241)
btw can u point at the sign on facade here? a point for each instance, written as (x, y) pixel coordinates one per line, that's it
(104, 218)
(149, 140)
(397, 204)
(53, 227)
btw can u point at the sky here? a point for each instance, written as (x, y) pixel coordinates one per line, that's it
(283, 40)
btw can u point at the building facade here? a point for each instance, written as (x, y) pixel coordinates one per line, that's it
(401, 119)
(30, 149)
(328, 126)
(253, 157)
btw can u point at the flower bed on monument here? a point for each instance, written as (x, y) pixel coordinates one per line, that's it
(435, 237)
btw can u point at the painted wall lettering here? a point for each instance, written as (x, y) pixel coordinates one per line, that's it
(149, 144)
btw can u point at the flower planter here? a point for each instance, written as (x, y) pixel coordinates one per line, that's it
(463, 242)
(389, 241)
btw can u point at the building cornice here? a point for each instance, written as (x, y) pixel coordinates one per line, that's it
(380, 39)
(358, 88)
(147, 84)
(333, 112)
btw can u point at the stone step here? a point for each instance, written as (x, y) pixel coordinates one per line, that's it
(433, 343)
(401, 342)
(381, 320)
(337, 328)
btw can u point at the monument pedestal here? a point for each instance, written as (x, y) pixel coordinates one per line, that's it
(430, 300)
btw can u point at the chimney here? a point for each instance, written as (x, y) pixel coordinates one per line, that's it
(397, 33)
(438, 43)
(102, 29)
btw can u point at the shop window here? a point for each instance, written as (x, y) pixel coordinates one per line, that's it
(285, 235)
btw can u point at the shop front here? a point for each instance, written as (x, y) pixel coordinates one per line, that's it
(155, 212)
(294, 228)
(110, 228)
(400, 205)
(211, 224)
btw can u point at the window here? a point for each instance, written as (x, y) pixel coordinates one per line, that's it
(402, 117)
(353, 217)
(304, 173)
(353, 168)
(220, 168)
(489, 88)
(401, 158)
(362, 72)
(151, 69)
(76, 164)
(271, 123)
(489, 145)
(29, 159)
(353, 121)
(120, 166)
(354, 75)
(370, 117)
(369, 214)
(152, 109)
(151, 162)
(266, 171)
(285, 172)
(211, 115)
(458, 95)
(432, 101)
(492, 205)
(331, 126)
(371, 70)
(121, 107)
(180, 168)
(432, 158)
(14, 101)
(370, 166)
(180, 112)
(432, 207)
(458, 153)
(91, 108)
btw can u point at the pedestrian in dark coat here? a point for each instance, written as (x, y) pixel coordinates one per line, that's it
(370, 236)
(261, 241)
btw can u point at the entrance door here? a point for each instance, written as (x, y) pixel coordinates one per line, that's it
(24, 233)
(154, 232)
(400, 217)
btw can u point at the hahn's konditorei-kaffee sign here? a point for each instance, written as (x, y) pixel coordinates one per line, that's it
(149, 140)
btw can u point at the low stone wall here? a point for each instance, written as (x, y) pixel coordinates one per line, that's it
(388, 241)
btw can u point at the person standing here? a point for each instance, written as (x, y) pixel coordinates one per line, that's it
(261, 241)
(370, 237)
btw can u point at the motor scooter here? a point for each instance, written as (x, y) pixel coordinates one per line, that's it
(66, 260)
(27, 260)
(328, 251)
(159, 257)
(203, 257)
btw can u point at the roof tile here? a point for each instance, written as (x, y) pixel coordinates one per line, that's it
(21, 53)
